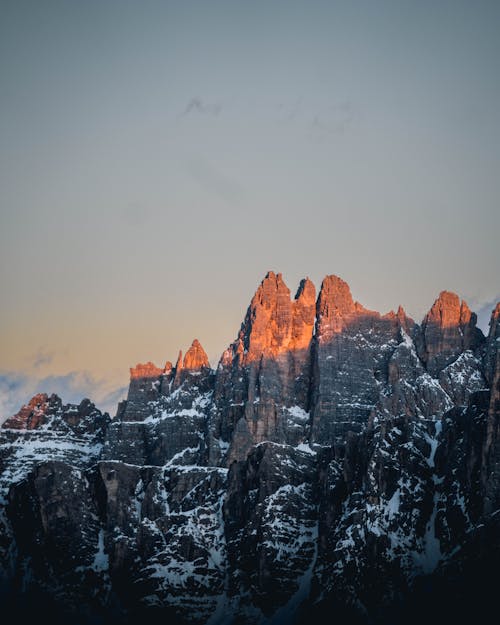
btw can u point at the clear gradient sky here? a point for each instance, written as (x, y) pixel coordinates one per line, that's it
(157, 158)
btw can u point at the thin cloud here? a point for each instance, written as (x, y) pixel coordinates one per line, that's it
(215, 181)
(43, 358)
(196, 105)
(334, 120)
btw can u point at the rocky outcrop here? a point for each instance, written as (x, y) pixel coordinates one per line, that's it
(195, 357)
(145, 381)
(45, 430)
(34, 413)
(337, 462)
(173, 405)
(263, 379)
(448, 329)
(353, 350)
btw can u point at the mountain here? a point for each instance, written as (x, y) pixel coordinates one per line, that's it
(337, 464)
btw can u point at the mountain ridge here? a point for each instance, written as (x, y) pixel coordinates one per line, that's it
(335, 459)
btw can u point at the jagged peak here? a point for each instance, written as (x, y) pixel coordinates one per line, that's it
(268, 290)
(334, 303)
(196, 357)
(274, 322)
(145, 370)
(42, 407)
(306, 290)
(447, 311)
(271, 275)
(178, 364)
(38, 400)
(335, 295)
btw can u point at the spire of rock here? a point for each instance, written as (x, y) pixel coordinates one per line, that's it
(303, 315)
(178, 369)
(449, 328)
(195, 357)
(274, 323)
(167, 369)
(178, 364)
(446, 312)
(335, 303)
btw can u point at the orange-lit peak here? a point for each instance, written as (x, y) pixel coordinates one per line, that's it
(335, 296)
(145, 370)
(196, 357)
(448, 311)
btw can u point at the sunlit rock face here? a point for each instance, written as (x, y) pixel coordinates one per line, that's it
(337, 461)
(263, 381)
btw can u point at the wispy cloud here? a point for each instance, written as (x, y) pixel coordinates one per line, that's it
(17, 388)
(42, 358)
(215, 181)
(320, 119)
(334, 119)
(197, 105)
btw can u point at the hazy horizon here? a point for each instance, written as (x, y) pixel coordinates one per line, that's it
(157, 159)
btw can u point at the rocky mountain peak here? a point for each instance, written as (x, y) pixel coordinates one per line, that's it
(449, 328)
(49, 412)
(303, 315)
(178, 369)
(34, 413)
(167, 369)
(306, 292)
(447, 311)
(145, 370)
(269, 291)
(335, 295)
(196, 357)
(306, 476)
(405, 322)
(178, 363)
(335, 304)
(274, 323)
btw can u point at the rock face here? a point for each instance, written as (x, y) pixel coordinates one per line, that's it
(353, 347)
(448, 329)
(263, 379)
(43, 431)
(337, 462)
(196, 357)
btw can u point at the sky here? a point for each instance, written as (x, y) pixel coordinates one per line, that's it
(158, 158)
